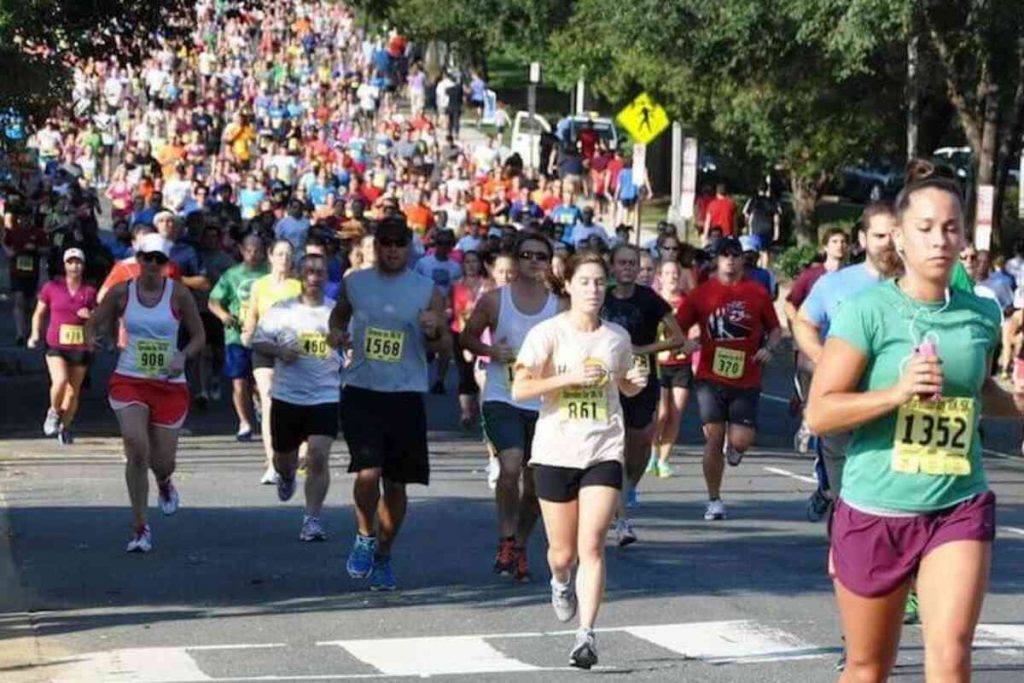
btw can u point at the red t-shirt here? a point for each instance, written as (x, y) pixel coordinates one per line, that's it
(723, 214)
(129, 269)
(804, 283)
(733, 321)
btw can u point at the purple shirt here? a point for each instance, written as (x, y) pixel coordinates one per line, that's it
(64, 307)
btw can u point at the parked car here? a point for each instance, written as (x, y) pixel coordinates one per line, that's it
(869, 182)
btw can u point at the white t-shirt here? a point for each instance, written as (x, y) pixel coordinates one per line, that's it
(315, 376)
(581, 427)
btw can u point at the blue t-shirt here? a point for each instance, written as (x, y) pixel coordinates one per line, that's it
(627, 190)
(831, 289)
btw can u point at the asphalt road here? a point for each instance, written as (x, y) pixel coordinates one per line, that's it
(230, 594)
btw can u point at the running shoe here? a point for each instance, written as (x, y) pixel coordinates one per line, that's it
(52, 422)
(652, 465)
(817, 506)
(522, 570)
(665, 470)
(142, 540)
(215, 392)
(841, 662)
(505, 558)
(715, 510)
(360, 559)
(624, 532)
(285, 489)
(168, 498)
(382, 577)
(493, 472)
(64, 437)
(312, 530)
(270, 476)
(910, 615)
(563, 599)
(632, 497)
(244, 434)
(733, 456)
(802, 439)
(584, 652)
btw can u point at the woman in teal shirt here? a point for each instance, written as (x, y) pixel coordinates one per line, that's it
(905, 367)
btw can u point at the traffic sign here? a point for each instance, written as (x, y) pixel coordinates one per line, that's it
(643, 118)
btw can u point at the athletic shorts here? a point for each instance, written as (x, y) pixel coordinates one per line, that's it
(467, 382)
(291, 424)
(28, 286)
(873, 555)
(167, 401)
(638, 411)
(237, 362)
(720, 403)
(563, 484)
(71, 357)
(386, 430)
(507, 427)
(214, 329)
(676, 376)
(262, 360)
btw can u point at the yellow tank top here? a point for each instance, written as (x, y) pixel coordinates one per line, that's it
(267, 292)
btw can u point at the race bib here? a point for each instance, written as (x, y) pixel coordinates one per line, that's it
(934, 437)
(71, 335)
(728, 363)
(24, 264)
(152, 356)
(383, 345)
(313, 344)
(584, 403)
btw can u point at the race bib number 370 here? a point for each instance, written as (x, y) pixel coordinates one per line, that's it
(934, 437)
(383, 345)
(584, 403)
(728, 363)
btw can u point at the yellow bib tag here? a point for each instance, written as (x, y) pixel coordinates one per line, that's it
(934, 437)
(152, 356)
(313, 344)
(384, 345)
(728, 363)
(584, 403)
(24, 264)
(71, 335)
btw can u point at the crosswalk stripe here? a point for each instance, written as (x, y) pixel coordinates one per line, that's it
(432, 656)
(726, 641)
(1004, 638)
(134, 665)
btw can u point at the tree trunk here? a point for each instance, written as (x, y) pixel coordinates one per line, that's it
(805, 200)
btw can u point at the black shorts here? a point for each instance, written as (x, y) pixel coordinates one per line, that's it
(676, 376)
(214, 329)
(639, 411)
(71, 357)
(291, 424)
(262, 360)
(720, 403)
(562, 484)
(386, 430)
(467, 382)
(508, 427)
(28, 286)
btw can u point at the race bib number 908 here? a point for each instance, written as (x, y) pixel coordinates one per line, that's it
(152, 356)
(383, 345)
(934, 437)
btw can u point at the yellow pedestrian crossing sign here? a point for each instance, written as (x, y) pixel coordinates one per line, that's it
(643, 118)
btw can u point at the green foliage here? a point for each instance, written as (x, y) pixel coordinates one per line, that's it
(794, 259)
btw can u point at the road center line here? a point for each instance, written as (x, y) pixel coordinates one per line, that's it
(792, 475)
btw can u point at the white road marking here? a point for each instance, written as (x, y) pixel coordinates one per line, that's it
(135, 665)
(791, 475)
(237, 646)
(1004, 639)
(432, 656)
(727, 641)
(1012, 530)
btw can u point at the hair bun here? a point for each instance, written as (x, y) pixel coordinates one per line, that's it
(920, 169)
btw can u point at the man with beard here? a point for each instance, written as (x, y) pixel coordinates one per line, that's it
(739, 332)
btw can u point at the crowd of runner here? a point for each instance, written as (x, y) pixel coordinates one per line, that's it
(292, 209)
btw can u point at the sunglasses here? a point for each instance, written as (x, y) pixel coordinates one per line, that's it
(386, 242)
(542, 256)
(153, 257)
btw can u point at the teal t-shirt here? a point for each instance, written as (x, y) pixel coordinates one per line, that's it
(876, 321)
(232, 292)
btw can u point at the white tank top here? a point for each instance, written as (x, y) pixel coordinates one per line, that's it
(511, 330)
(152, 336)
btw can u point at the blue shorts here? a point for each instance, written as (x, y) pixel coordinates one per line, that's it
(507, 427)
(237, 362)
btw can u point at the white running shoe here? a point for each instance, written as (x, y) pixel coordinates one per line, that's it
(312, 530)
(624, 532)
(215, 392)
(52, 422)
(270, 477)
(142, 541)
(715, 510)
(493, 472)
(168, 503)
(733, 456)
(563, 599)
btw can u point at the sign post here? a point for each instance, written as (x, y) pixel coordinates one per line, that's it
(983, 219)
(689, 190)
(639, 178)
(531, 106)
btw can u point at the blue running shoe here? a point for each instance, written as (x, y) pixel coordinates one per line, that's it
(382, 578)
(632, 497)
(360, 560)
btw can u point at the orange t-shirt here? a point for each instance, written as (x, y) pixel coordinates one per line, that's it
(479, 210)
(419, 217)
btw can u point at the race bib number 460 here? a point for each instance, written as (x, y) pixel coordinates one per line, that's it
(584, 403)
(152, 356)
(728, 363)
(313, 344)
(383, 345)
(934, 437)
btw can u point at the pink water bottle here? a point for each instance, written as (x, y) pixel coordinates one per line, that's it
(928, 348)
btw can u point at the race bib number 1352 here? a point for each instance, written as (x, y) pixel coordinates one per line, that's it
(934, 437)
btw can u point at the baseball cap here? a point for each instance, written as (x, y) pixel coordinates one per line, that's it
(163, 214)
(750, 243)
(394, 227)
(153, 243)
(74, 252)
(728, 245)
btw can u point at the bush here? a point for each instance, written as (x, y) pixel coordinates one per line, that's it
(795, 259)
